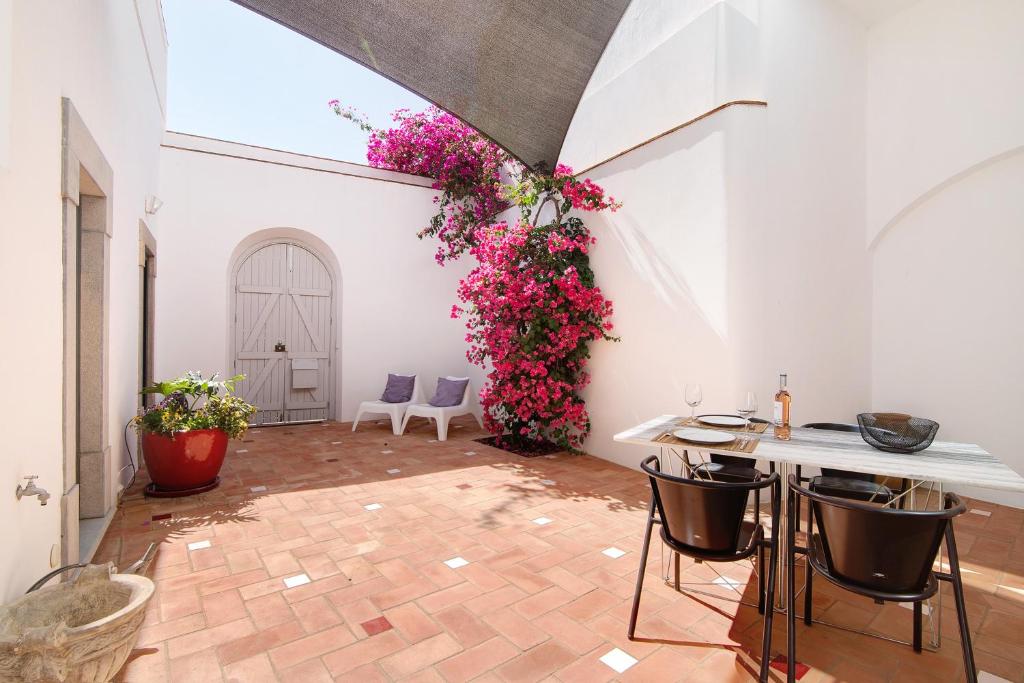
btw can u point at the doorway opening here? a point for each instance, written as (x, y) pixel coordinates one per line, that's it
(86, 184)
(147, 312)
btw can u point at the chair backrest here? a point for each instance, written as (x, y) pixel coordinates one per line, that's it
(705, 515)
(832, 426)
(734, 460)
(879, 548)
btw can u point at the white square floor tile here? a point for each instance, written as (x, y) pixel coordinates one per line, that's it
(613, 552)
(925, 609)
(431, 440)
(548, 482)
(726, 582)
(542, 521)
(456, 562)
(335, 443)
(394, 470)
(986, 677)
(387, 452)
(983, 513)
(373, 506)
(242, 450)
(198, 545)
(470, 452)
(297, 580)
(618, 660)
(257, 489)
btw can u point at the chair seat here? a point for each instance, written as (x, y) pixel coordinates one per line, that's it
(733, 460)
(382, 406)
(750, 534)
(852, 489)
(721, 472)
(816, 556)
(442, 414)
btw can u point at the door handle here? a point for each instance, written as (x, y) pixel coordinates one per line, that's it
(279, 347)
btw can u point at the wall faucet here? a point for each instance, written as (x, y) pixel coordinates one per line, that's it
(32, 490)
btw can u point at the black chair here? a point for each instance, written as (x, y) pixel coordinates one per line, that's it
(881, 553)
(704, 520)
(731, 468)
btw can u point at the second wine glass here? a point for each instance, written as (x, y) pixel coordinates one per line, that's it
(694, 397)
(748, 407)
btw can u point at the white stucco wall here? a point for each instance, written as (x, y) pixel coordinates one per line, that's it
(738, 252)
(943, 97)
(945, 158)
(671, 60)
(96, 55)
(393, 302)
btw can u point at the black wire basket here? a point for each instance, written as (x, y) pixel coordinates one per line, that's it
(897, 432)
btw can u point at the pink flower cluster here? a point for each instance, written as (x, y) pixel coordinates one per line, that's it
(532, 319)
(463, 163)
(583, 194)
(530, 304)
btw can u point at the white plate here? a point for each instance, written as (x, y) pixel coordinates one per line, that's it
(722, 420)
(705, 436)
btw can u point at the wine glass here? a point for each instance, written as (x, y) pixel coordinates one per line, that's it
(748, 407)
(694, 397)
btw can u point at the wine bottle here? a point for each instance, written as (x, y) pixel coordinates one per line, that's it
(780, 413)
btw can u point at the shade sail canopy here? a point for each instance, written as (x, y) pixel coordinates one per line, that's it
(513, 69)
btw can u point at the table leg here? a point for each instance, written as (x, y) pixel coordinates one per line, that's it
(936, 619)
(784, 470)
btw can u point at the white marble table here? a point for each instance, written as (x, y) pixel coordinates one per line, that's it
(943, 461)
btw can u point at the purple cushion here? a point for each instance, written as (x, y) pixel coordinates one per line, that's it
(449, 392)
(399, 388)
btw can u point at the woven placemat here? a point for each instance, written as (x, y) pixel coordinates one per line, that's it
(755, 427)
(740, 445)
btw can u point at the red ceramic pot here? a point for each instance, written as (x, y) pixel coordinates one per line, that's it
(186, 461)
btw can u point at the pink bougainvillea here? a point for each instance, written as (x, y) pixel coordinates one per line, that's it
(530, 304)
(465, 166)
(531, 319)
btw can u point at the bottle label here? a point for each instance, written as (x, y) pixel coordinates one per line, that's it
(777, 413)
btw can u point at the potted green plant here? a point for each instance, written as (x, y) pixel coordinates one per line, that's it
(185, 435)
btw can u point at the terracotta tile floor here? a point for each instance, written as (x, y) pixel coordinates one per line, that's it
(372, 597)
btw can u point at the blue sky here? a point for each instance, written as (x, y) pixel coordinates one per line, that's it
(235, 75)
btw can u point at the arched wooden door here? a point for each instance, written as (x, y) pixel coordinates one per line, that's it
(284, 333)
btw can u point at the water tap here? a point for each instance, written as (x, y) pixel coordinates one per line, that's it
(32, 490)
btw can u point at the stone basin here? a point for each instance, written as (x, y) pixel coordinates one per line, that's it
(74, 632)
